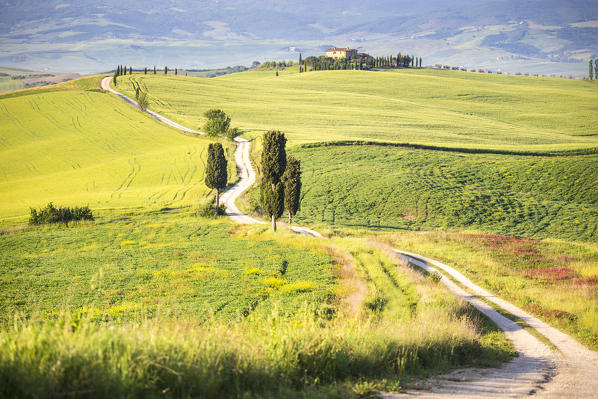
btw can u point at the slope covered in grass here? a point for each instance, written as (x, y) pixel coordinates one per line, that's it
(75, 145)
(442, 108)
(156, 302)
(554, 280)
(376, 186)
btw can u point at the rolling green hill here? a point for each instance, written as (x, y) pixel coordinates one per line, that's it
(387, 187)
(441, 108)
(75, 145)
(472, 115)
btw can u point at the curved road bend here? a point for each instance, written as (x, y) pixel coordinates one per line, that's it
(538, 371)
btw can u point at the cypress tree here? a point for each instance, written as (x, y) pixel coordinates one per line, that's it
(176, 71)
(274, 162)
(272, 200)
(591, 71)
(165, 70)
(216, 173)
(154, 69)
(299, 58)
(145, 71)
(114, 78)
(130, 70)
(292, 186)
(596, 68)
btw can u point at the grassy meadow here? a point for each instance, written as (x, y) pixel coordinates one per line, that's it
(154, 303)
(389, 187)
(152, 300)
(76, 145)
(439, 108)
(552, 279)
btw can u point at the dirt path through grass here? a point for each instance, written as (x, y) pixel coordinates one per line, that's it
(538, 370)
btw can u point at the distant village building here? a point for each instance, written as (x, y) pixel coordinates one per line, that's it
(337, 53)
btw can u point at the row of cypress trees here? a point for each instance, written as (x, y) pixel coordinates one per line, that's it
(324, 63)
(122, 70)
(280, 187)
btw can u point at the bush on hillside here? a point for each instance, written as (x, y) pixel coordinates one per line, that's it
(208, 210)
(218, 122)
(51, 214)
(232, 132)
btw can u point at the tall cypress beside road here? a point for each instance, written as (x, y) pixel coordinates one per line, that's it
(274, 162)
(292, 186)
(216, 173)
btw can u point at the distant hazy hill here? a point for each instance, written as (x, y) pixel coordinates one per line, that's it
(538, 36)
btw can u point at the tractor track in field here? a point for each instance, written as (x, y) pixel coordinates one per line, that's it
(538, 370)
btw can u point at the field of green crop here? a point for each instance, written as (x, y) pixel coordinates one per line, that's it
(76, 145)
(440, 108)
(379, 186)
(554, 280)
(152, 301)
(155, 263)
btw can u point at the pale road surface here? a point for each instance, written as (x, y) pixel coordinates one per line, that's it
(538, 371)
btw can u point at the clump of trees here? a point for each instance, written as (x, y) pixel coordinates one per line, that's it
(218, 122)
(360, 62)
(63, 214)
(267, 65)
(216, 171)
(280, 187)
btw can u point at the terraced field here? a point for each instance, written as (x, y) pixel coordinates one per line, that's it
(75, 145)
(439, 108)
(376, 186)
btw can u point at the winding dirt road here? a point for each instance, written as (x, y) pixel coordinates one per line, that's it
(538, 371)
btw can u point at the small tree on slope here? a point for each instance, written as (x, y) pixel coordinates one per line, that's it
(216, 173)
(218, 122)
(292, 186)
(274, 162)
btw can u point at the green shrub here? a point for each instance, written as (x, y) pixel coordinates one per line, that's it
(218, 122)
(51, 214)
(208, 210)
(232, 132)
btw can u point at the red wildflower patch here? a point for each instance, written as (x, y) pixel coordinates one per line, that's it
(588, 281)
(554, 274)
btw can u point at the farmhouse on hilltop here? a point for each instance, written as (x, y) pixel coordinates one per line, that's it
(337, 53)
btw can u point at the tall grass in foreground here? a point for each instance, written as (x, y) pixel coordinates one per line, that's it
(179, 359)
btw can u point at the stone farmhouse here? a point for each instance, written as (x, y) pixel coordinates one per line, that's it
(337, 53)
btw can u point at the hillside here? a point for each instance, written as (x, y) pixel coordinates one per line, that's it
(441, 108)
(75, 145)
(521, 189)
(403, 189)
(15, 79)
